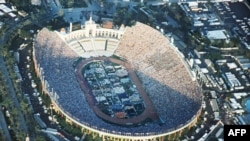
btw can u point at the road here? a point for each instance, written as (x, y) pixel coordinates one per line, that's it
(9, 83)
(13, 27)
(13, 95)
(4, 127)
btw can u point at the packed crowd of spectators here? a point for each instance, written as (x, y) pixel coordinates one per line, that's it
(162, 73)
(175, 96)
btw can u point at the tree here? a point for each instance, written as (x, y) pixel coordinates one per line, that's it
(2, 136)
(177, 16)
(151, 19)
(206, 41)
(7, 101)
(248, 54)
(89, 137)
(4, 52)
(235, 41)
(215, 56)
(199, 47)
(24, 106)
(40, 138)
(97, 138)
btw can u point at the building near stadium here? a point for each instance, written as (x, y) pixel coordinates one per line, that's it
(171, 99)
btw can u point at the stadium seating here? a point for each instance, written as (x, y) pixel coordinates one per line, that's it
(175, 96)
(99, 44)
(112, 45)
(86, 43)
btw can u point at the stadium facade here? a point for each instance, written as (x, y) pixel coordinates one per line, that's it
(159, 66)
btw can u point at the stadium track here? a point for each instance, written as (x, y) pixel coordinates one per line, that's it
(148, 113)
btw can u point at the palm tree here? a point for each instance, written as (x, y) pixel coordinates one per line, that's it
(40, 138)
(23, 106)
(4, 52)
(17, 126)
(14, 112)
(20, 135)
(7, 101)
(2, 135)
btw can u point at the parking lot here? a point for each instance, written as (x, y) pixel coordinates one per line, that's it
(236, 16)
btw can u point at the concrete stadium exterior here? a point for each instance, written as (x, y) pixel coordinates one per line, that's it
(92, 36)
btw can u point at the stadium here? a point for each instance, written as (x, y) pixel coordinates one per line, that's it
(170, 99)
